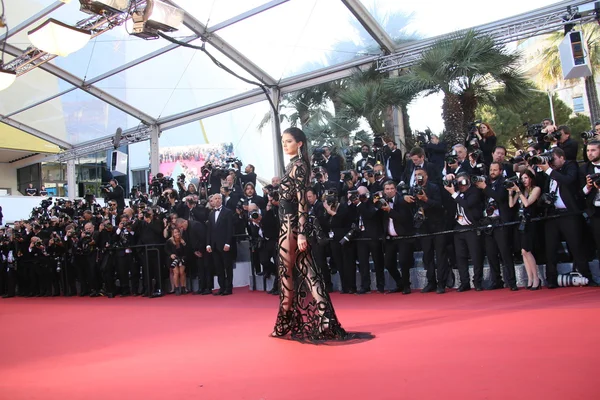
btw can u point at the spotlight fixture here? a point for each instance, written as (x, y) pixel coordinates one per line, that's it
(104, 6)
(157, 16)
(7, 78)
(58, 38)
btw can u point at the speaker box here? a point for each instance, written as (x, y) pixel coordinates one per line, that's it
(574, 56)
(118, 163)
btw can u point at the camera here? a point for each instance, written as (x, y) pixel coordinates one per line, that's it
(351, 234)
(544, 158)
(330, 197)
(522, 157)
(477, 178)
(513, 181)
(273, 192)
(318, 156)
(175, 262)
(422, 138)
(523, 218)
(254, 215)
(370, 172)
(534, 130)
(451, 157)
(588, 135)
(181, 179)
(448, 183)
(364, 197)
(547, 200)
(491, 208)
(379, 200)
(378, 143)
(46, 203)
(419, 218)
(346, 176)
(552, 137)
(352, 195)
(595, 178)
(572, 279)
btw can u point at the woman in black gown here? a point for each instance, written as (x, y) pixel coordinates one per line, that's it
(305, 309)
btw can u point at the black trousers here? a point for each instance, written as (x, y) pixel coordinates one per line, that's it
(372, 247)
(595, 225)
(81, 271)
(498, 243)
(569, 227)
(224, 268)
(319, 252)
(345, 256)
(69, 275)
(266, 254)
(398, 252)
(107, 269)
(128, 269)
(435, 259)
(151, 270)
(468, 243)
(11, 281)
(205, 277)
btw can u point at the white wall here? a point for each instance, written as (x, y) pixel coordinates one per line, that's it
(8, 177)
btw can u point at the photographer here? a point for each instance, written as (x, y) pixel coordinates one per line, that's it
(589, 174)
(560, 194)
(486, 139)
(417, 161)
(526, 195)
(456, 161)
(397, 223)
(469, 206)
(126, 264)
(249, 176)
(316, 212)
(393, 161)
(194, 234)
(366, 160)
(568, 145)
(593, 135)
(428, 217)
(370, 226)
(263, 240)
(149, 232)
(116, 193)
(175, 250)
(331, 163)
(435, 151)
(497, 241)
(270, 226)
(499, 156)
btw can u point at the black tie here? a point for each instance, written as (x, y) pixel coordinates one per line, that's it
(218, 209)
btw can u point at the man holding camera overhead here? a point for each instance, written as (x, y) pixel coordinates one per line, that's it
(469, 205)
(560, 197)
(496, 211)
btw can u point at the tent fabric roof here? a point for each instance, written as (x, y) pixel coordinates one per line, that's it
(119, 80)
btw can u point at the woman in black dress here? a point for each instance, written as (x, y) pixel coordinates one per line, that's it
(526, 199)
(175, 249)
(305, 309)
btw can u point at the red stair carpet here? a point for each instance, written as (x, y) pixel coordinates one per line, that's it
(486, 345)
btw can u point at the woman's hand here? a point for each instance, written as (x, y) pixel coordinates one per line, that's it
(302, 243)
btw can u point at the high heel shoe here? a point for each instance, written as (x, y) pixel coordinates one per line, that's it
(283, 325)
(538, 287)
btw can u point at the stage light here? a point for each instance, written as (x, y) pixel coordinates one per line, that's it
(7, 78)
(55, 37)
(104, 6)
(157, 16)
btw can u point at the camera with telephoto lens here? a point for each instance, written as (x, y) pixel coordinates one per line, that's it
(419, 218)
(175, 262)
(588, 135)
(422, 138)
(473, 127)
(351, 234)
(544, 158)
(523, 219)
(379, 200)
(364, 197)
(44, 204)
(552, 137)
(254, 215)
(595, 178)
(449, 182)
(513, 181)
(451, 157)
(572, 279)
(522, 157)
(330, 197)
(491, 208)
(272, 191)
(318, 156)
(476, 155)
(58, 264)
(534, 130)
(418, 189)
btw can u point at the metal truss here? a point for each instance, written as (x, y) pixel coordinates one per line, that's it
(129, 136)
(374, 29)
(538, 22)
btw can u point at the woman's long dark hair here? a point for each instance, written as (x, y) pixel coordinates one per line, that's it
(300, 136)
(531, 176)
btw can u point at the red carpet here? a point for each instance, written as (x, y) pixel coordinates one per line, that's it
(490, 345)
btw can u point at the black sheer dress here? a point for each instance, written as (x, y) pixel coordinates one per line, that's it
(305, 309)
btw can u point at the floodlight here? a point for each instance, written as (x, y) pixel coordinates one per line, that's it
(7, 78)
(157, 16)
(58, 38)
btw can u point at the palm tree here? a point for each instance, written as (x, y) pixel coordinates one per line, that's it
(551, 71)
(466, 68)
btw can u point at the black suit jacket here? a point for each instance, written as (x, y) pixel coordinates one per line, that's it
(434, 172)
(197, 236)
(338, 223)
(570, 148)
(568, 182)
(472, 202)
(270, 223)
(434, 212)
(333, 168)
(117, 194)
(395, 164)
(371, 218)
(585, 170)
(401, 214)
(496, 191)
(220, 232)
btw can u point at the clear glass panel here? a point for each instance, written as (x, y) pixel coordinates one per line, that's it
(428, 19)
(211, 12)
(76, 117)
(300, 36)
(30, 88)
(18, 11)
(180, 80)
(235, 133)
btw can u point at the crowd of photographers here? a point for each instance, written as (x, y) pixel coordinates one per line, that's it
(457, 207)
